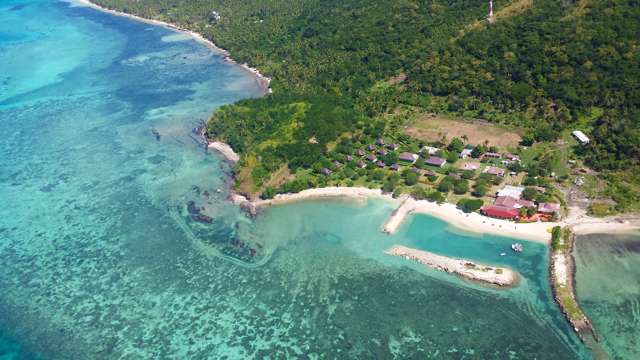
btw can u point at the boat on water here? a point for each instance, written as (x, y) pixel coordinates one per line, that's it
(517, 247)
(503, 254)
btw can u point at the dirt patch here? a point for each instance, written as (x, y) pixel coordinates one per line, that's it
(430, 127)
(281, 176)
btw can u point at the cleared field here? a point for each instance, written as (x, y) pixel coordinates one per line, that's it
(430, 127)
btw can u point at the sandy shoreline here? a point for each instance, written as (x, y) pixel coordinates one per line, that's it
(582, 224)
(263, 80)
(474, 222)
(225, 150)
(487, 274)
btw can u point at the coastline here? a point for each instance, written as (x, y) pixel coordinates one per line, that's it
(582, 224)
(406, 206)
(225, 150)
(262, 79)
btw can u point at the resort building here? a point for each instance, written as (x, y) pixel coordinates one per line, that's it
(549, 208)
(326, 172)
(492, 155)
(500, 212)
(512, 157)
(435, 161)
(491, 170)
(395, 167)
(511, 191)
(581, 137)
(430, 150)
(470, 166)
(408, 157)
(465, 153)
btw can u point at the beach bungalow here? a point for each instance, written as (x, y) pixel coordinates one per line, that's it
(581, 137)
(492, 155)
(491, 170)
(380, 141)
(430, 150)
(349, 158)
(370, 147)
(382, 152)
(500, 212)
(549, 208)
(361, 164)
(435, 161)
(325, 172)
(465, 153)
(337, 163)
(470, 166)
(371, 158)
(512, 157)
(511, 191)
(392, 147)
(408, 157)
(360, 153)
(380, 164)
(395, 167)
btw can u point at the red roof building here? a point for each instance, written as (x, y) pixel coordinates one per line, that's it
(500, 212)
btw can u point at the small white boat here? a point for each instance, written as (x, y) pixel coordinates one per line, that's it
(517, 247)
(503, 254)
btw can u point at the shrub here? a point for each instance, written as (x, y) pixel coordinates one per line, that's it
(470, 205)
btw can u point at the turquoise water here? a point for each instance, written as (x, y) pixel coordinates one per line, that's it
(102, 182)
(608, 288)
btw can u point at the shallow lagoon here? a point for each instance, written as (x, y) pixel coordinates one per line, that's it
(101, 260)
(608, 288)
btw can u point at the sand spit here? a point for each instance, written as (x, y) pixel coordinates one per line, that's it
(263, 80)
(467, 269)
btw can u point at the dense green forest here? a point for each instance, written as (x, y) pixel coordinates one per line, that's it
(343, 65)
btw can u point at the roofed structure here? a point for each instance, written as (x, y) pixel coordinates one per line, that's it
(408, 157)
(435, 161)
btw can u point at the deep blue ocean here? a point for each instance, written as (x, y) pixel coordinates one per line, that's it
(102, 255)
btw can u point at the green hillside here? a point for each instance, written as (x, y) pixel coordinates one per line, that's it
(356, 70)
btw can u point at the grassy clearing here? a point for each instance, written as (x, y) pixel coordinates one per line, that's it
(430, 127)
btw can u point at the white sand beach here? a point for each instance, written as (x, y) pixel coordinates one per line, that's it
(467, 269)
(263, 80)
(473, 222)
(225, 150)
(355, 193)
(583, 224)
